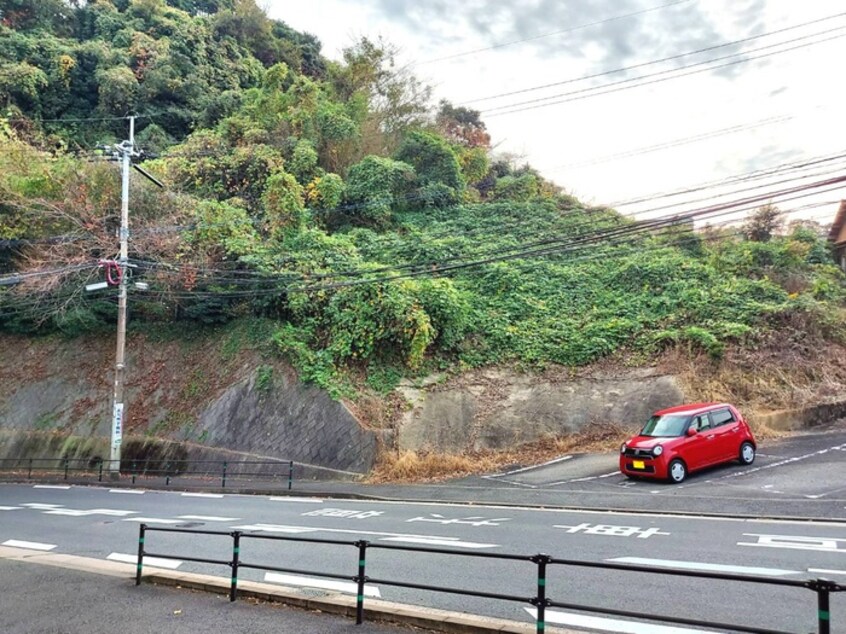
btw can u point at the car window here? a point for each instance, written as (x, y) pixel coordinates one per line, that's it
(665, 426)
(701, 422)
(721, 417)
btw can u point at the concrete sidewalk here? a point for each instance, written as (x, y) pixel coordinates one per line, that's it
(39, 599)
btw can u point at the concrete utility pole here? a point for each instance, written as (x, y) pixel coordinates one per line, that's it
(126, 149)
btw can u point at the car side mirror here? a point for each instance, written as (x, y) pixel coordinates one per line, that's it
(691, 431)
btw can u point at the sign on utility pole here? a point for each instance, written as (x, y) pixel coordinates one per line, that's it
(126, 149)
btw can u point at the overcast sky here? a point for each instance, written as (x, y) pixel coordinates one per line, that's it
(779, 108)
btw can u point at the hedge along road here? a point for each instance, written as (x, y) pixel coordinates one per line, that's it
(103, 523)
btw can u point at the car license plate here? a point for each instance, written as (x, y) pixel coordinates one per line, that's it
(638, 464)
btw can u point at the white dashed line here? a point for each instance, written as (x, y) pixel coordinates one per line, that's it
(63, 487)
(10, 508)
(610, 625)
(42, 507)
(15, 543)
(286, 498)
(324, 584)
(824, 571)
(428, 541)
(86, 513)
(202, 495)
(209, 518)
(155, 562)
(133, 491)
(706, 567)
(151, 520)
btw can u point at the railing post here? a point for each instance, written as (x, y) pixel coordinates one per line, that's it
(66, 467)
(223, 481)
(540, 600)
(100, 472)
(134, 471)
(360, 579)
(290, 474)
(141, 532)
(823, 588)
(236, 557)
(29, 475)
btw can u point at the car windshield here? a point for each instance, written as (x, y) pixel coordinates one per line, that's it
(665, 426)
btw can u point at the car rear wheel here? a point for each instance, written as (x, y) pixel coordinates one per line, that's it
(677, 471)
(747, 453)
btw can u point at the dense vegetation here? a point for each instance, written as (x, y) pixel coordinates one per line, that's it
(381, 238)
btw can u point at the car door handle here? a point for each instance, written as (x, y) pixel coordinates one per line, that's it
(711, 437)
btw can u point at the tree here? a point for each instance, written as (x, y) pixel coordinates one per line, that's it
(765, 222)
(462, 126)
(436, 165)
(374, 185)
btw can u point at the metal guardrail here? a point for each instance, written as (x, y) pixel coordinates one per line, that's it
(822, 587)
(283, 471)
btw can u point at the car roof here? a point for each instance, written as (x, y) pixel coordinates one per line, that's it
(690, 408)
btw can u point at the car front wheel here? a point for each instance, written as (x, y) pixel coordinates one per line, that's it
(747, 453)
(677, 471)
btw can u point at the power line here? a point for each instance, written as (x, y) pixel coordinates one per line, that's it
(662, 60)
(613, 87)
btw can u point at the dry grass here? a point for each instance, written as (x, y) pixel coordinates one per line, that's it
(413, 466)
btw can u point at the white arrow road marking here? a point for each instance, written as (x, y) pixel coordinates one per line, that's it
(202, 495)
(610, 625)
(63, 487)
(152, 520)
(419, 539)
(16, 543)
(133, 491)
(323, 584)
(81, 513)
(823, 571)
(41, 507)
(156, 562)
(288, 498)
(209, 518)
(429, 541)
(695, 565)
(10, 508)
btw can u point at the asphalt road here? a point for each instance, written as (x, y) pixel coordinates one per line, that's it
(48, 600)
(103, 523)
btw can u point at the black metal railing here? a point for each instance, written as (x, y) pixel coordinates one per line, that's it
(215, 471)
(822, 587)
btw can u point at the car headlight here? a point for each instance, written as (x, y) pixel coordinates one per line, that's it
(623, 448)
(657, 450)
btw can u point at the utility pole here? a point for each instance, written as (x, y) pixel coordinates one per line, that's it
(126, 149)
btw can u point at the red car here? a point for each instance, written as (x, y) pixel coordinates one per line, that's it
(679, 440)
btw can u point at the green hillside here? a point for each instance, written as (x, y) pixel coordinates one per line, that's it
(360, 232)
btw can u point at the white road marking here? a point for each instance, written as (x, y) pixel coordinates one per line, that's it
(529, 468)
(63, 487)
(16, 543)
(209, 518)
(156, 562)
(695, 565)
(151, 520)
(41, 507)
(133, 491)
(275, 528)
(430, 541)
(202, 495)
(824, 571)
(612, 530)
(10, 508)
(285, 498)
(344, 513)
(610, 625)
(85, 513)
(794, 542)
(323, 584)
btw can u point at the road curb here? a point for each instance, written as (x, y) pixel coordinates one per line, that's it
(375, 610)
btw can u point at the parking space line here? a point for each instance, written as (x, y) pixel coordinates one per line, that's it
(16, 543)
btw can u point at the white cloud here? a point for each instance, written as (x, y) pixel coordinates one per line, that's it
(803, 85)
